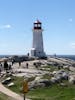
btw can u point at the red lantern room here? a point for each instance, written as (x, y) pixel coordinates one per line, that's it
(37, 25)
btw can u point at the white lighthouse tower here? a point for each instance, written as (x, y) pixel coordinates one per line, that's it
(37, 47)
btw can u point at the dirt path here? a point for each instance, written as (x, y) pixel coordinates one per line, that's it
(10, 93)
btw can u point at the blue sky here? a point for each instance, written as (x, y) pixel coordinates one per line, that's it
(16, 23)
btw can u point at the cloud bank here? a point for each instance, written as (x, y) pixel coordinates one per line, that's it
(7, 26)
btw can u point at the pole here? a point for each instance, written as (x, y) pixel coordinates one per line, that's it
(25, 88)
(24, 96)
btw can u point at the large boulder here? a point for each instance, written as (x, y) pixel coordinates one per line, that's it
(6, 81)
(45, 81)
(65, 76)
(39, 83)
(72, 79)
(54, 72)
(53, 79)
(11, 84)
(37, 78)
(34, 84)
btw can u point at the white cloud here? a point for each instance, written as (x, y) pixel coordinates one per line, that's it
(72, 45)
(70, 20)
(7, 26)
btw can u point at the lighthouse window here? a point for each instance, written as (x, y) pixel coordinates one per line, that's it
(35, 25)
(39, 25)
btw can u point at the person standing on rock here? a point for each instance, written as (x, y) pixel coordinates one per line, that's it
(6, 66)
(27, 65)
(19, 63)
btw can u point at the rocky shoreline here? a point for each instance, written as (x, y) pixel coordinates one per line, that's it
(55, 69)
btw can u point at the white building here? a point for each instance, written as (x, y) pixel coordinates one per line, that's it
(37, 47)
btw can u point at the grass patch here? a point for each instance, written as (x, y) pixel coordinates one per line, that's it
(5, 97)
(52, 68)
(46, 76)
(18, 81)
(54, 92)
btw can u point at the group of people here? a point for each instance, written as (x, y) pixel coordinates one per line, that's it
(8, 67)
(27, 65)
(5, 66)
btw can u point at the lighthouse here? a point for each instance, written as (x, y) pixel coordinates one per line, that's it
(37, 45)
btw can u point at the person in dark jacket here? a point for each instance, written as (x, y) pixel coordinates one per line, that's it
(6, 66)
